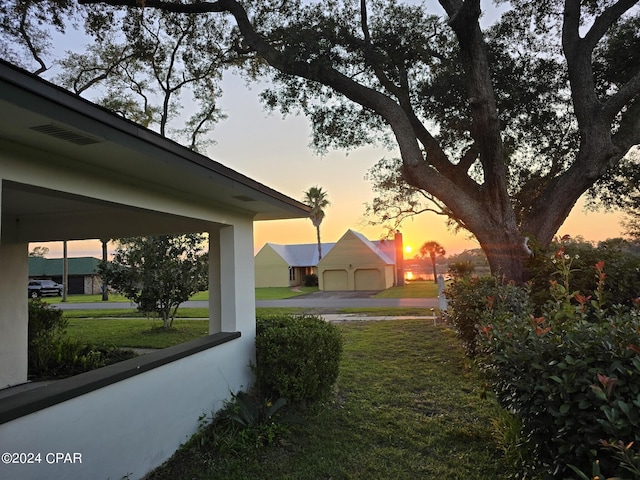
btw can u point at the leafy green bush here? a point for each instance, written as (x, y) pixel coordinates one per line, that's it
(622, 259)
(297, 357)
(460, 269)
(45, 332)
(571, 388)
(573, 382)
(52, 355)
(311, 280)
(473, 300)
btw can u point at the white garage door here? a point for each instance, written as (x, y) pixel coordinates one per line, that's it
(335, 280)
(368, 279)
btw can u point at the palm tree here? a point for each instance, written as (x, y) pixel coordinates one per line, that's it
(316, 198)
(432, 250)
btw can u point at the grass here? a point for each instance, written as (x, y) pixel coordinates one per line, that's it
(97, 298)
(406, 406)
(126, 327)
(135, 333)
(279, 293)
(132, 313)
(274, 293)
(415, 289)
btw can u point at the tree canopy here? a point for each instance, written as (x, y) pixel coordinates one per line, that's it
(501, 129)
(158, 273)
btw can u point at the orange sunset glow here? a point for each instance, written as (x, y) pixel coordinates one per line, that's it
(280, 157)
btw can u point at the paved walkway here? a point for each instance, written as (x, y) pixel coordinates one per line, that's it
(354, 317)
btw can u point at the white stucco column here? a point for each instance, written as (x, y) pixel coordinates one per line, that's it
(14, 314)
(231, 278)
(215, 303)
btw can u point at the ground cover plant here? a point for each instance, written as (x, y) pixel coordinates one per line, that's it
(53, 354)
(406, 406)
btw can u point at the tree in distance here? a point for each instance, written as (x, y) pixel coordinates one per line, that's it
(158, 273)
(431, 250)
(39, 251)
(317, 199)
(499, 128)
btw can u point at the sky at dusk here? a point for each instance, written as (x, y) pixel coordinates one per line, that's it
(275, 151)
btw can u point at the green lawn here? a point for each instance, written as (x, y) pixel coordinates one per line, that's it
(274, 293)
(135, 333)
(132, 313)
(406, 406)
(126, 327)
(415, 289)
(279, 293)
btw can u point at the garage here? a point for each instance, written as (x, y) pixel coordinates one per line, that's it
(335, 280)
(368, 279)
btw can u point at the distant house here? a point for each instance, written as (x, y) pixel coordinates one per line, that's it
(356, 263)
(82, 273)
(286, 265)
(353, 263)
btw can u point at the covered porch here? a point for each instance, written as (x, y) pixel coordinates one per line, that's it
(70, 170)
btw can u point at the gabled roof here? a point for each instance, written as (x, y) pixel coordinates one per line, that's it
(306, 254)
(385, 249)
(48, 267)
(301, 255)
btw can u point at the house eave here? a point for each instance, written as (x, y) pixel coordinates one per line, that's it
(45, 118)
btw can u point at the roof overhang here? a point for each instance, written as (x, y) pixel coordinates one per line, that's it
(52, 125)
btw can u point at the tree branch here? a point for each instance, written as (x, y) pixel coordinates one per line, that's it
(32, 48)
(604, 21)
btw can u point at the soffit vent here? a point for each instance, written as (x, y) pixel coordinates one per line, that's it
(65, 134)
(244, 198)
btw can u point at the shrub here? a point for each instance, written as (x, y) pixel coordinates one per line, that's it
(571, 388)
(621, 258)
(574, 383)
(52, 355)
(474, 301)
(311, 280)
(463, 268)
(297, 357)
(45, 332)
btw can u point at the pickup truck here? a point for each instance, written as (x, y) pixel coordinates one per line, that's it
(42, 288)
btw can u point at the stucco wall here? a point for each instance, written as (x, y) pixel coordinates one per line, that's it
(13, 313)
(130, 427)
(271, 269)
(351, 265)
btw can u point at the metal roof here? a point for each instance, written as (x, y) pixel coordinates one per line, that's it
(301, 255)
(306, 255)
(48, 267)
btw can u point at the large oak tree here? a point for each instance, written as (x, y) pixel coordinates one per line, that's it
(502, 129)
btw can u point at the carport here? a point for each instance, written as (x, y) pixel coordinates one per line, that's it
(70, 170)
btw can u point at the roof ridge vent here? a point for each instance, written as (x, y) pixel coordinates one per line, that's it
(65, 134)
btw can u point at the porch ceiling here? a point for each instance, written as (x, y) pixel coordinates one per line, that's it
(46, 123)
